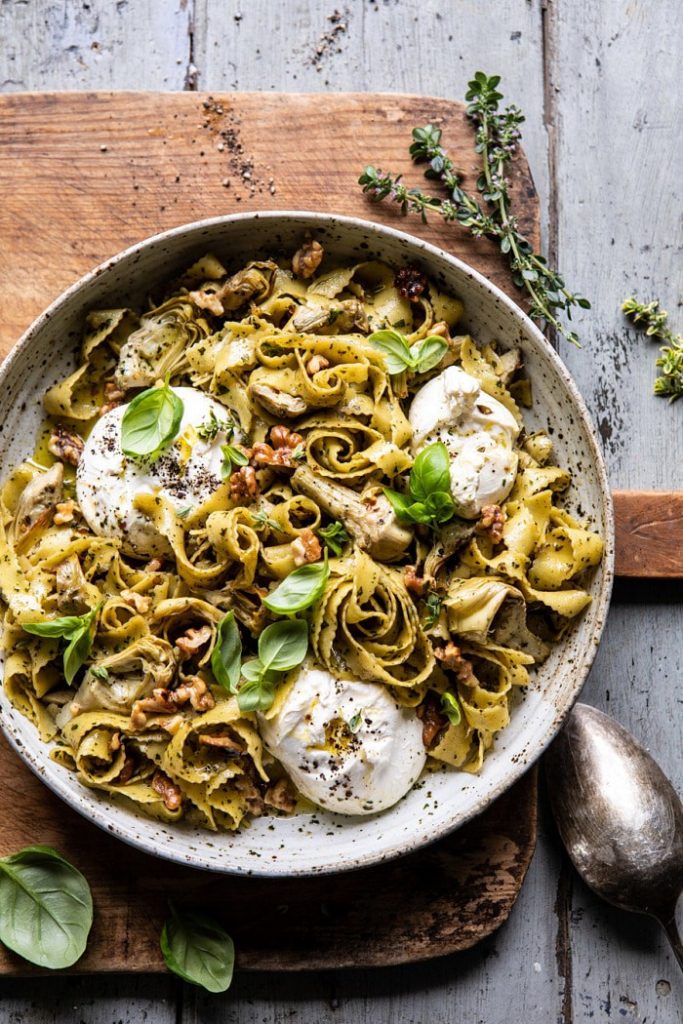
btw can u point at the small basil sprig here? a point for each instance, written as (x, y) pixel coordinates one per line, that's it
(226, 657)
(198, 950)
(232, 456)
(150, 422)
(281, 647)
(302, 588)
(429, 500)
(399, 356)
(451, 707)
(77, 629)
(45, 907)
(335, 536)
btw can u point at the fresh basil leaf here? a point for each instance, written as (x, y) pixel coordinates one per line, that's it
(283, 645)
(451, 707)
(99, 671)
(55, 627)
(399, 502)
(394, 347)
(430, 472)
(253, 670)
(257, 694)
(150, 422)
(226, 657)
(299, 590)
(440, 506)
(335, 536)
(232, 457)
(45, 907)
(198, 950)
(76, 653)
(428, 353)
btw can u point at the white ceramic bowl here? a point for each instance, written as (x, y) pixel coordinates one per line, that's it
(323, 842)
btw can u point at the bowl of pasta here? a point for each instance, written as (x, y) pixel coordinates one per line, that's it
(307, 544)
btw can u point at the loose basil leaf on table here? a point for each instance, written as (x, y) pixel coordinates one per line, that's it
(45, 907)
(77, 629)
(151, 421)
(226, 657)
(302, 588)
(198, 950)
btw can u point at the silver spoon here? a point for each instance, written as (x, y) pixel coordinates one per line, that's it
(619, 817)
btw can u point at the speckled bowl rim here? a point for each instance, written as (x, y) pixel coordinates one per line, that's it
(517, 767)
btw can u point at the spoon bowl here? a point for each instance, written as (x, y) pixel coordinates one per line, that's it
(618, 816)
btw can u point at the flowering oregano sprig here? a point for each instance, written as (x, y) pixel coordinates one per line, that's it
(497, 135)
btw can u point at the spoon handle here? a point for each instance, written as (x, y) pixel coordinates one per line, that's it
(673, 935)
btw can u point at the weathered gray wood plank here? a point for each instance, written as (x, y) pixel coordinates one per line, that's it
(421, 46)
(616, 150)
(101, 44)
(115, 999)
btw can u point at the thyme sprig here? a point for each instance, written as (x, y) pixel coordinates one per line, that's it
(497, 136)
(653, 319)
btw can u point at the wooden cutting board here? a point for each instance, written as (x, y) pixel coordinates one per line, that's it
(82, 176)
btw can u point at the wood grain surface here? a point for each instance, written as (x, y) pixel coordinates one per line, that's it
(600, 87)
(649, 526)
(148, 162)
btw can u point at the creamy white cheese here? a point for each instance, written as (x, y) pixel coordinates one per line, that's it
(479, 433)
(187, 473)
(348, 746)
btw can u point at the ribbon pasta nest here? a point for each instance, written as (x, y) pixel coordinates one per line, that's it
(149, 647)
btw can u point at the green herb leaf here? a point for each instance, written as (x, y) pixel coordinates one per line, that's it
(198, 950)
(226, 657)
(261, 518)
(45, 907)
(430, 472)
(355, 721)
(77, 629)
(299, 590)
(451, 707)
(335, 536)
(428, 353)
(433, 609)
(253, 670)
(397, 355)
(400, 503)
(440, 507)
(150, 422)
(210, 428)
(283, 645)
(232, 456)
(100, 671)
(257, 694)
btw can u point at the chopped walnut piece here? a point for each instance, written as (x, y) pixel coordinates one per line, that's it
(65, 512)
(416, 585)
(154, 565)
(451, 658)
(164, 701)
(281, 796)
(244, 485)
(171, 794)
(140, 602)
(222, 740)
(441, 330)
(263, 455)
(283, 437)
(115, 742)
(66, 446)
(113, 396)
(492, 522)
(307, 259)
(410, 282)
(193, 640)
(254, 800)
(306, 548)
(315, 364)
(433, 721)
(126, 773)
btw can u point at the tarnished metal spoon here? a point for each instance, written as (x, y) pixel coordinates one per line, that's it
(619, 817)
